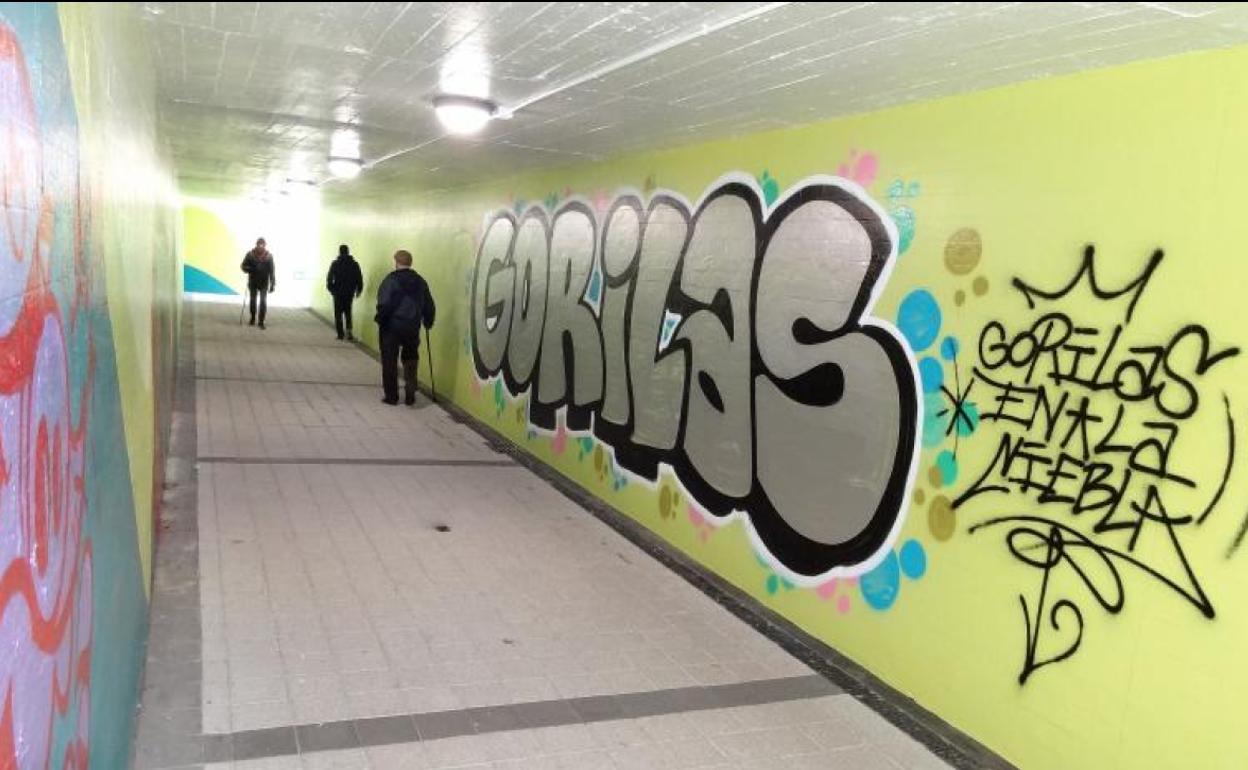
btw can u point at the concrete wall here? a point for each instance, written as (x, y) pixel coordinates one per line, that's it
(954, 386)
(89, 279)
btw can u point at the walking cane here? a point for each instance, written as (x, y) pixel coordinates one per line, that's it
(429, 354)
(242, 310)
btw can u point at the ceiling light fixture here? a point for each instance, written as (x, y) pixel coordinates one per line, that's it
(299, 188)
(463, 114)
(494, 110)
(345, 168)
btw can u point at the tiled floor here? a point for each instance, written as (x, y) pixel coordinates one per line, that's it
(378, 588)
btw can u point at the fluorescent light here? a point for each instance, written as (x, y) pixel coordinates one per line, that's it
(463, 114)
(344, 143)
(345, 168)
(299, 188)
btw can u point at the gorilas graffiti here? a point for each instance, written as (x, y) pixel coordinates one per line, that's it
(1094, 418)
(732, 345)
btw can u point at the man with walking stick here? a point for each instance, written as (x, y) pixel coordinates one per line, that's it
(404, 305)
(261, 278)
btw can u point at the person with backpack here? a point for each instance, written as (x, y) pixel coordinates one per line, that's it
(345, 282)
(261, 278)
(404, 304)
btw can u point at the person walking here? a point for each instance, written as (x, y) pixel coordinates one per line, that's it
(404, 304)
(261, 278)
(345, 282)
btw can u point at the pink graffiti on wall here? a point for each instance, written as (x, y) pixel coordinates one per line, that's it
(45, 557)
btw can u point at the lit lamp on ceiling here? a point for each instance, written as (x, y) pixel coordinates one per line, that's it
(298, 187)
(463, 114)
(344, 168)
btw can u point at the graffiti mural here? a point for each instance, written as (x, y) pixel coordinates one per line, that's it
(73, 606)
(732, 341)
(1075, 522)
(46, 604)
(1095, 418)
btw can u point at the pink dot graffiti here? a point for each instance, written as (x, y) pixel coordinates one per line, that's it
(703, 527)
(827, 592)
(46, 560)
(560, 440)
(862, 168)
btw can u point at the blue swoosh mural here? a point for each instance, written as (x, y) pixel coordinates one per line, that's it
(197, 281)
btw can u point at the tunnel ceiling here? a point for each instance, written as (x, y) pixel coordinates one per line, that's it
(252, 93)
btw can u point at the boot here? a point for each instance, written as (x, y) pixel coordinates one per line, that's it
(409, 381)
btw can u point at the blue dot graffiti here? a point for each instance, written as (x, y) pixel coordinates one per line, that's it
(918, 318)
(904, 217)
(949, 349)
(932, 375)
(881, 585)
(913, 559)
(947, 464)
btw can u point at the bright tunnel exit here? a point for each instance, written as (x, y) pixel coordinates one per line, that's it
(217, 234)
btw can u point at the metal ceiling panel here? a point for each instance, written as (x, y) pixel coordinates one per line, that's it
(253, 92)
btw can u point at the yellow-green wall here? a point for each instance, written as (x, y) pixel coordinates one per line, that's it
(134, 215)
(212, 247)
(1130, 160)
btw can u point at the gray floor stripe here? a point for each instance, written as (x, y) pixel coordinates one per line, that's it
(429, 726)
(268, 381)
(274, 342)
(433, 462)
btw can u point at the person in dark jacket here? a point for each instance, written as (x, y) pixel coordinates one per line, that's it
(404, 304)
(261, 278)
(345, 282)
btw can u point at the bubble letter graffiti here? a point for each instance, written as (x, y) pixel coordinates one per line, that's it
(732, 342)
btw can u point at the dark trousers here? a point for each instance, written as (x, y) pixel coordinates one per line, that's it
(399, 345)
(264, 304)
(342, 313)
